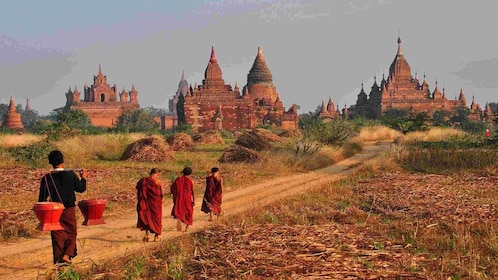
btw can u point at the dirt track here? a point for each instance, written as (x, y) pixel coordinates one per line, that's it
(33, 259)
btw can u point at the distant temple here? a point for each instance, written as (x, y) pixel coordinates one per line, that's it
(101, 102)
(403, 91)
(328, 112)
(13, 118)
(214, 105)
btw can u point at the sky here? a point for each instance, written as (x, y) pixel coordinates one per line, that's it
(315, 49)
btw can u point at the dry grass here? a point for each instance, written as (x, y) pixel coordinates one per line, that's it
(15, 140)
(433, 135)
(378, 133)
(96, 147)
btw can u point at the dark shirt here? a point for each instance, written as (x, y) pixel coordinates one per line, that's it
(66, 182)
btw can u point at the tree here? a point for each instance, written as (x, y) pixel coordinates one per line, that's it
(136, 120)
(4, 108)
(461, 116)
(74, 119)
(404, 121)
(155, 112)
(441, 118)
(180, 110)
(309, 120)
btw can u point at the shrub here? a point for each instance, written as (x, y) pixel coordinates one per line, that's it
(34, 155)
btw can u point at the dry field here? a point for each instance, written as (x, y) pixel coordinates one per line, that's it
(360, 219)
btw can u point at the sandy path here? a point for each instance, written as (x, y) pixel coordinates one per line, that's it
(33, 259)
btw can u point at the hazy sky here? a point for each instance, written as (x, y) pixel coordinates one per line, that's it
(315, 49)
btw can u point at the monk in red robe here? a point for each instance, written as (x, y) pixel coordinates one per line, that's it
(150, 205)
(61, 186)
(211, 203)
(182, 190)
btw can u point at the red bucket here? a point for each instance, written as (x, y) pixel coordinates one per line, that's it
(49, 213)
(92, 210)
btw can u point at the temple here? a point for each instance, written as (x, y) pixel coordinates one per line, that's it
(215, 105)
(13, 118)
(101, 102)
(401, 90)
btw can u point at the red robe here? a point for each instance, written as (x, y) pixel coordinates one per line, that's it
(212, 196)
(182, 190)
(149, 205)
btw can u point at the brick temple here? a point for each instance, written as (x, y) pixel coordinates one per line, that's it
(401, 90)
(13, 118)
(102, 102)
(215, 105)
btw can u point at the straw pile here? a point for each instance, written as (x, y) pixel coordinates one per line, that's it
(180, 142)
(259, 139)
(236, 153)
(290, 133)
(209, 137)
(150, 149)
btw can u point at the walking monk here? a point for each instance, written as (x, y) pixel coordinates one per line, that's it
(60, 185)
(211, 203)
(150, 204)
(182, 190)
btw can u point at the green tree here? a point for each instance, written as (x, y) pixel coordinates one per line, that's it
(461, 116)
(309, 120)
(337, 131)
(136, 120)
(155, 112)
(74, 119)
(4, 108)
(441, 118)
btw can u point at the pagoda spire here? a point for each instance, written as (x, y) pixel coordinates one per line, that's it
(324, 109)
(28, 106)
(213, 56)
(12, 106)
(462, 98)
(400, 50)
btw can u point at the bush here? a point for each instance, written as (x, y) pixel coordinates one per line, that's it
(34, 155)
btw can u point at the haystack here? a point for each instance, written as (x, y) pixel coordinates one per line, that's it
(209, 137)
(259, 139)
(180, 142)
(290, 133)
(150, 149)
(236, 153)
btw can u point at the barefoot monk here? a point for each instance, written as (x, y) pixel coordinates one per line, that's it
(182, 190)
(150, 204)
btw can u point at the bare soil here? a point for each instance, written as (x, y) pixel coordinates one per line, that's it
(32, 258)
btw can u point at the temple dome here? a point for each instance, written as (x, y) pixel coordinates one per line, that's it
(213, 70)
(259, 72)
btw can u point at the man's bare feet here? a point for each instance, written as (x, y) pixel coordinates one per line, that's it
(66, 259)
(178, 225)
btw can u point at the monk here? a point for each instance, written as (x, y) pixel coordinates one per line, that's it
(150, 205)
(182, 190)
(60, 185)
(211, 203)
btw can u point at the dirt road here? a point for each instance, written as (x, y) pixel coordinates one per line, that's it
(33, 259)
